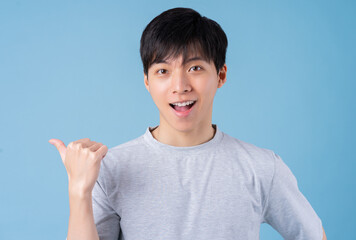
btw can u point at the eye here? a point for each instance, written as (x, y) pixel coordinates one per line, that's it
(195, 67)
(161, 71)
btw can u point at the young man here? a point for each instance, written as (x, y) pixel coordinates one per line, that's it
(183, 179)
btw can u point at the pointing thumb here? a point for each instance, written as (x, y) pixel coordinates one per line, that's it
(61, 147)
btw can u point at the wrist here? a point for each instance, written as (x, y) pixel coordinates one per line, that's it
(79, 193)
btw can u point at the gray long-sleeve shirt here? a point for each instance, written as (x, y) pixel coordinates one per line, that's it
(222, 189)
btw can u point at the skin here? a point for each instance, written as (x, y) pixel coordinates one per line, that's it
(324, 236)
(171, 82)
(82, 160)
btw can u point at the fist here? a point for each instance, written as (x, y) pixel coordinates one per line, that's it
(82, 160)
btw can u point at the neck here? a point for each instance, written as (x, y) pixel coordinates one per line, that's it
(173, 137)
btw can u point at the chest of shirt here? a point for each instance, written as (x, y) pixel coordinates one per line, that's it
(195, 191)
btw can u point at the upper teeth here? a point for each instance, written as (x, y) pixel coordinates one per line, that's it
(183, 103)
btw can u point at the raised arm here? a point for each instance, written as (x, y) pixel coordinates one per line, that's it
(82, 161)
(324, 236)
(81, 219)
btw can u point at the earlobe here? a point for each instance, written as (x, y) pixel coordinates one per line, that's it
(220, 83)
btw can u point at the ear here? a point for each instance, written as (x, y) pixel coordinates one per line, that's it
(145, 80)
(222, 76)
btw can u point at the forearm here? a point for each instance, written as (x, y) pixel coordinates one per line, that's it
(81, 219)
(324, 236)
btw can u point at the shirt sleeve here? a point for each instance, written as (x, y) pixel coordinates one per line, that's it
(286, 208)
(107, 221)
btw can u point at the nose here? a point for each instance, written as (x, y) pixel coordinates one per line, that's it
(180, 83)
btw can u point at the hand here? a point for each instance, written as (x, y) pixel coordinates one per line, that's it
(82, 160)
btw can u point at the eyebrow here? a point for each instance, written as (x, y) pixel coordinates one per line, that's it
(184, 62)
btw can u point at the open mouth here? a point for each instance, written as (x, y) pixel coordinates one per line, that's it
(182, 108)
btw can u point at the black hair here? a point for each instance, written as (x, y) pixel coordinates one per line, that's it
(182, 31)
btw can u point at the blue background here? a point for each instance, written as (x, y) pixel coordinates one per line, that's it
(72, 69)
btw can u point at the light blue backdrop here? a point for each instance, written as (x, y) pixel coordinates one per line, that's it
(72, 69)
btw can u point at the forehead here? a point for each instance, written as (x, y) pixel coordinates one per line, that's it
(183, 53)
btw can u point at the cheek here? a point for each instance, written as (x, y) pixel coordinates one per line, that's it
(206, 89)
(158, 94)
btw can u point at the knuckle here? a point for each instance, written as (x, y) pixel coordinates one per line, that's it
(72, 145)
(93, 156)
(86, 150)
(80, 145)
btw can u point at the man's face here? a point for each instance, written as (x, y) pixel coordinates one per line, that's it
(171, 82)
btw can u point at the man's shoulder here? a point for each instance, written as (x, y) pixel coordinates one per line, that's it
(254, 161)
(236, 144)
(250, 155)
(121, 153)
(132, 145)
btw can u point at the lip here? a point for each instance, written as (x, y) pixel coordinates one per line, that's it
(185, 113)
